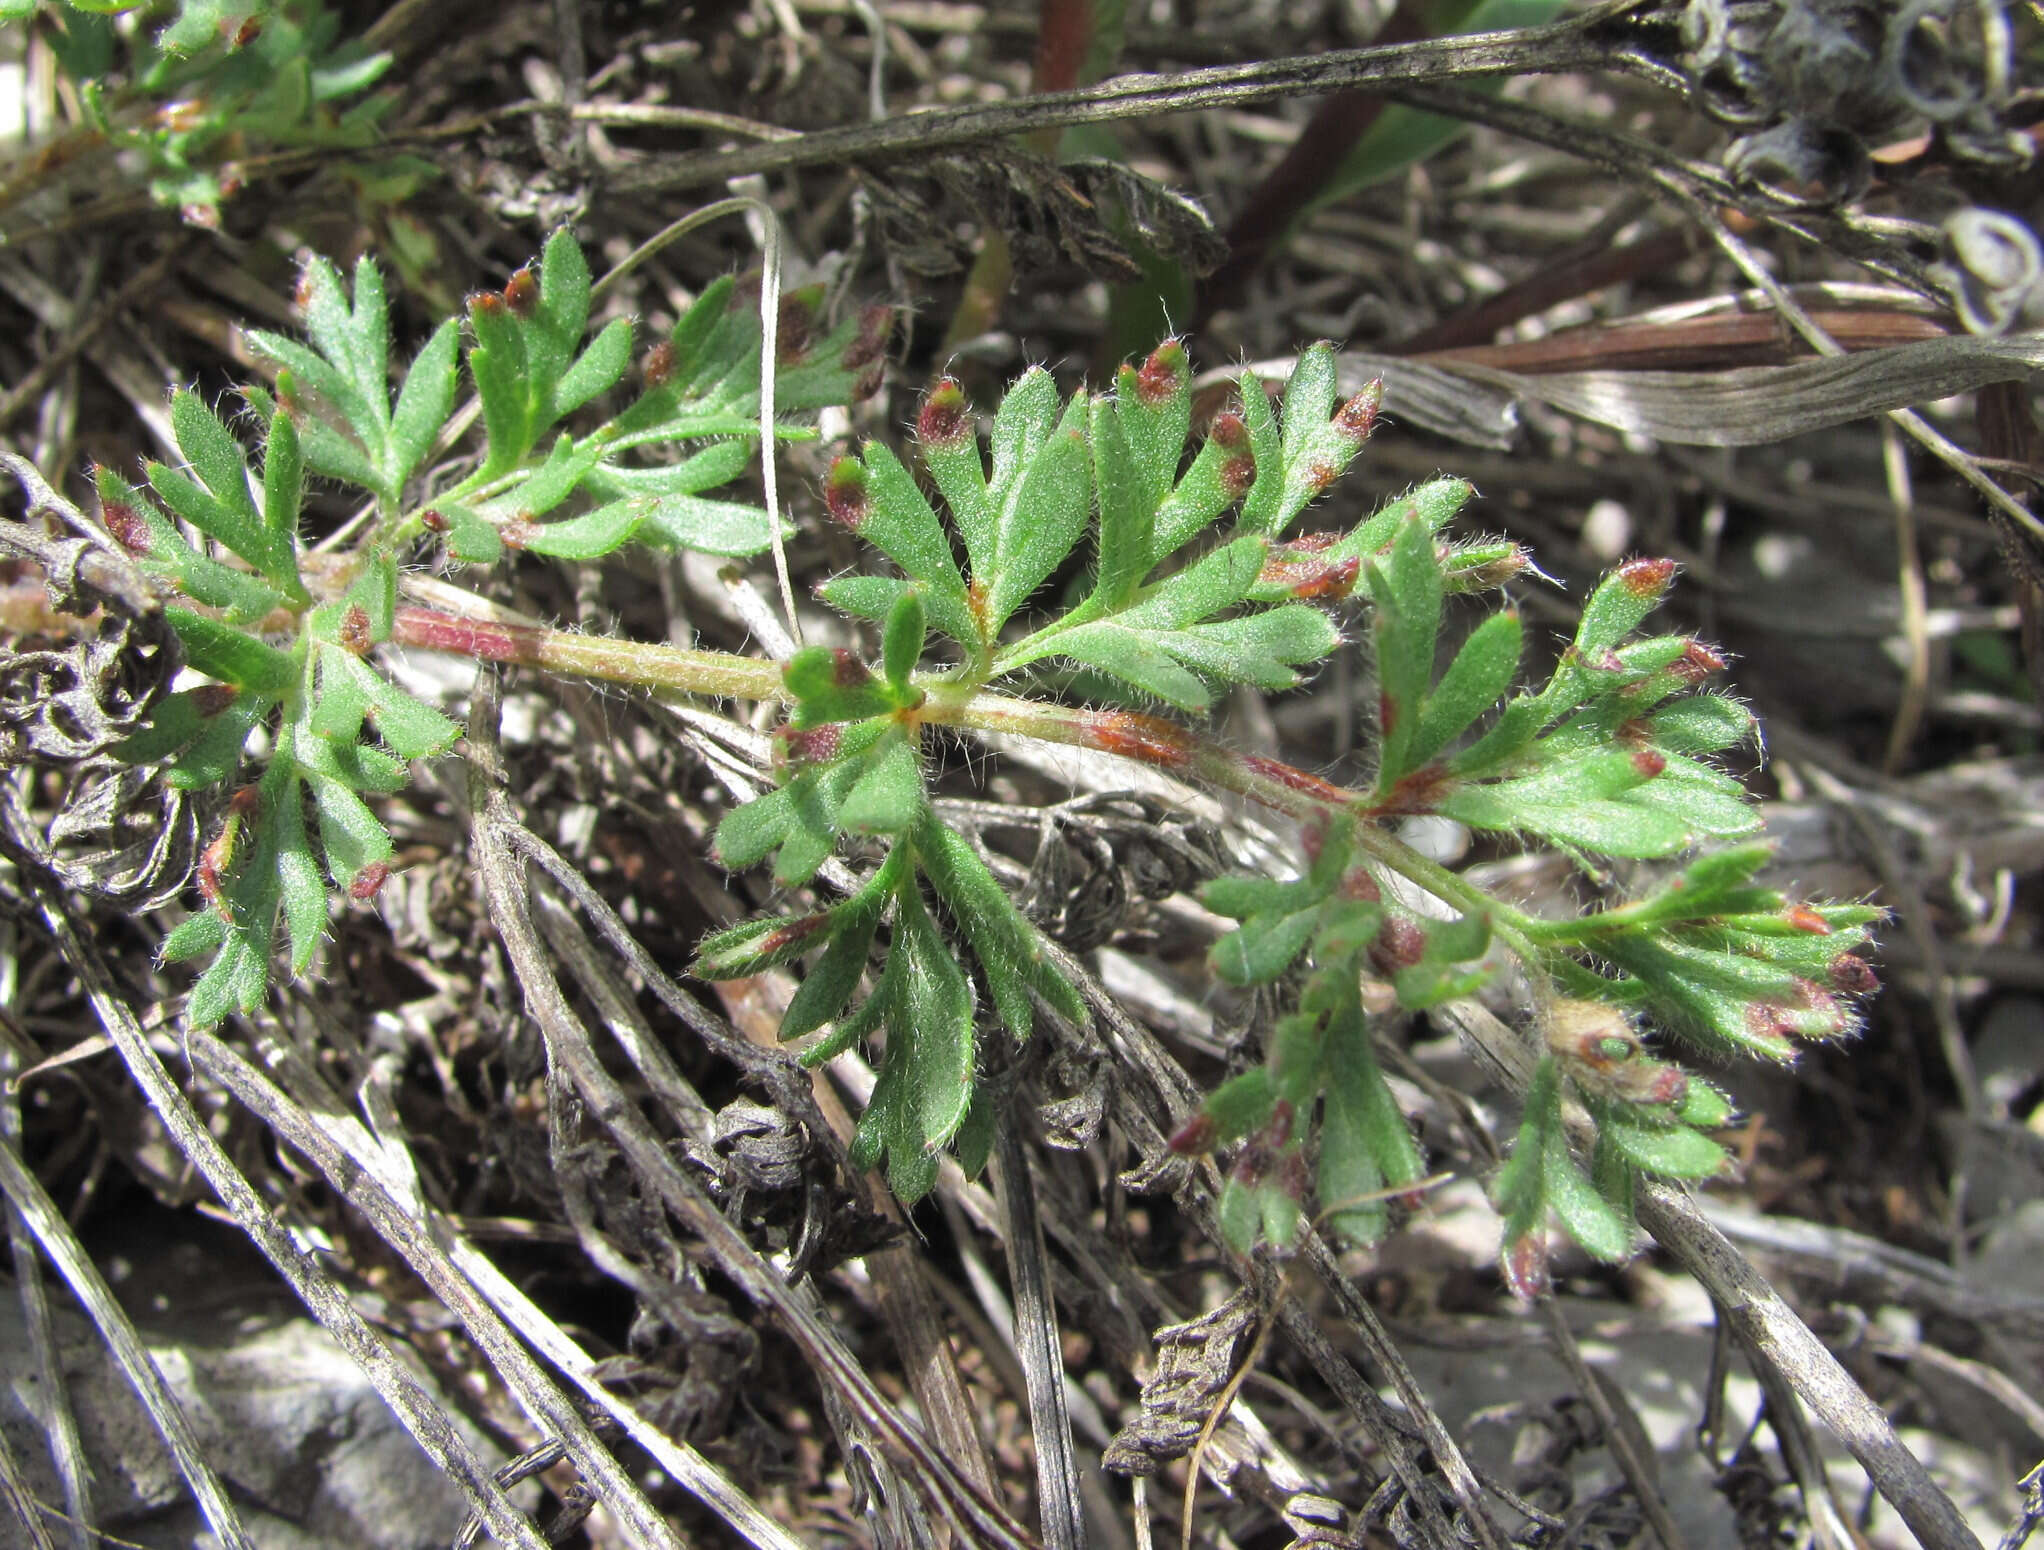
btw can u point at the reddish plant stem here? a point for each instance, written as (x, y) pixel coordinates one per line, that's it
(712, 673)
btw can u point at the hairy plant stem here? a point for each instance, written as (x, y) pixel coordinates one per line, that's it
(1151, 740)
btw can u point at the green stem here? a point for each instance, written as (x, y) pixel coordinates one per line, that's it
(1151, 740)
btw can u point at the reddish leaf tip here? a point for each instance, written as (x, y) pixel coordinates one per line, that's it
(1400, 944)
(433, 521)
(844, 493)
(1358, 417)
(1163, 375)
(1647, 578)
(1853, 975)
(1525, 1266)
(1803, 918)
(1698, 662)
(369, 882)
(521, 293)
(1195, 1137)
(1649, 762)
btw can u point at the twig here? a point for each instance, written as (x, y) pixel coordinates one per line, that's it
(1617, 1439)
(499, 861)
(20, 1501)
(1037, 1343)
(361, 1173)
(59, 1422)
(400, 1389)
(26, 1194)
(1564, 46)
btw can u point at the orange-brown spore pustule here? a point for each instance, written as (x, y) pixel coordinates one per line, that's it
(1294, 779)
(1195, 1138)
(1649, 762)
(1230, 432)
(876, 326)
(369, 882)
(942, 421)
(432, 521)
(811, 745)
(211, 699)
(1698, 662)
(1647, 578)
(1164, 374)
(1359, 885)
(1414, 793)
(1300, 568)
(127, 525)
(519, 532)
(845, 494)
(1525, 1266)
(521, 293)
(796, 327)
(657, 370)
(353, 630)
(1148, 739)
(1358, 417)
(1400, 944)
(1803, 918)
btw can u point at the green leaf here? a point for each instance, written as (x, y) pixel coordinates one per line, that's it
(599, 368)
(752, 831)
(830, 982)
(341, 702)
(602, 531)
(1212, 583)
(1128, 507)
(283, 482)
(888, 797)
(1408, 592)
(350, 834)
(234, 982)
(755, 946)
(1263, 947)
(1475, 681)
(950, 449)
(301, 890)
(1135, 659)
(902, 642)
(1671, 1151)
(1241, 1105)
(898, 521)
(706, 526)
(216, 753)
(1044, 513)
(226, 653)
(563, 311)
(865, 597)
(925, 1086)
(830, 684)
(1006, 944)
(423, 404)
(195, 934)
(173, 723)
(1153, 407)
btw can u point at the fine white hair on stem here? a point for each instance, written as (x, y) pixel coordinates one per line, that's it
(769, 353)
